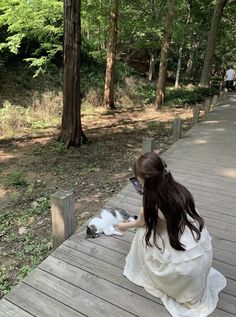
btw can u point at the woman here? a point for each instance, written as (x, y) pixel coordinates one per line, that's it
(171, 253)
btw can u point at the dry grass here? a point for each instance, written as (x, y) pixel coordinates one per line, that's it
(44, 111)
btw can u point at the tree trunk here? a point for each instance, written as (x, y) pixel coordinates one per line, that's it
(161, 83)
(211, 43)
(179, 67)
(111, 56)
(152, 64)
(71, 130)
(189, 69)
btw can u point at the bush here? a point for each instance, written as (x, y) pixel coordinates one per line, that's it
(16, 179)
(13, 119)
(45, 110)
(175, 97)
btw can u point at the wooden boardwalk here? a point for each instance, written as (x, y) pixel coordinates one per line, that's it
(84, 277)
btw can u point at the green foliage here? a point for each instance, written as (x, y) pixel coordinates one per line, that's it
(34, 24)
(175, 97)
(34, 30)
(59, 147)
(15, 178)
(5, 279)
(19, 229)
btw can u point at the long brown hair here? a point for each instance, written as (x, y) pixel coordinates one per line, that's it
(162, 192)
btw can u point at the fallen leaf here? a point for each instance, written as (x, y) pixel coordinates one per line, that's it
(49, 245)
(22, 230)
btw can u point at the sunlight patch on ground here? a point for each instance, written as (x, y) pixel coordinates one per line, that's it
(6, 156)
(200, 141)
(220, 129)
(228, 172)
(3, 193)
(226, 106)
(211, 122)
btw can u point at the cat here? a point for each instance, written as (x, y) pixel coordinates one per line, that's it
(109, 217)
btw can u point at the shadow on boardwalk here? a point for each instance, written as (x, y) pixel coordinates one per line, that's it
(84, 277)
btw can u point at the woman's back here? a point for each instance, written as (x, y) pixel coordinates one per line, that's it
(171, 254)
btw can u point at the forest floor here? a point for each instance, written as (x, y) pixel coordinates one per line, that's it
(34, 167)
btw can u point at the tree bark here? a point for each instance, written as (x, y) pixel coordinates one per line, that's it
(152, 64)
(189, 69)
(179, 67)
(161, 83)
(211, 43)
(71, 129)
(111, 56)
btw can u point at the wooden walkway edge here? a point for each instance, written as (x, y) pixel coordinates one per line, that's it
(84, 277)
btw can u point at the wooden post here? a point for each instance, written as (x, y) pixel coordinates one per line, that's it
(207, 106)
(148, 145)
(221, 86)
(177, 127)
(221, 97)
(196, 111)
(215, 102)
(63, 218)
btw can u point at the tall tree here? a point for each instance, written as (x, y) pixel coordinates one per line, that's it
(71, 129)
(211, 43)
(161, 83)
(111, 56)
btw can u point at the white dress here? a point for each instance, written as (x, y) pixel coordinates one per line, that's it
(184, 280)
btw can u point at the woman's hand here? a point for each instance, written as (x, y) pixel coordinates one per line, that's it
(122, 226)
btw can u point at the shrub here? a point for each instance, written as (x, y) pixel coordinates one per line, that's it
(15, 178)
(13, 119)
(175, 97)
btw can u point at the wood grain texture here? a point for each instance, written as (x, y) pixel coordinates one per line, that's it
(7, 309)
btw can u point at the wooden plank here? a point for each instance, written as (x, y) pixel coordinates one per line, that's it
(221, 226)
(97, 267)
(109, 242)
(202, 179)
(226, 269)
(227, 303)
(97, 251)
(113, 247)
(206, 191)
(224, 244)
(216, 214)
(210, 196)
(211, 164)
(38, 304)
(221, 313)
(200, 184)
(74, 297)
(108, 291)
(230, 287)
(7, 309)
(223, 249)
(130, 200)
(221, 233)
(213, 180)
(128, 207)
(103, 267)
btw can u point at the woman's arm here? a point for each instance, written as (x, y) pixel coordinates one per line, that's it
(132, 224)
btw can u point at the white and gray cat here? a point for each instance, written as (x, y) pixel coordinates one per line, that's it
(106, 222)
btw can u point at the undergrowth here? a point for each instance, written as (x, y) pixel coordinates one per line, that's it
(33, 106)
